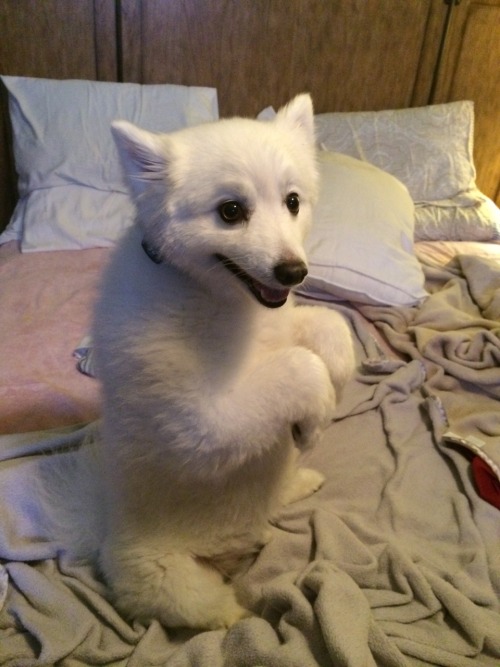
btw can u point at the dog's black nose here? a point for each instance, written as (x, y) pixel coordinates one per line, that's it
(290, 273)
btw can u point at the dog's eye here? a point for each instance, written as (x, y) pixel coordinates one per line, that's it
(292, 203)
(231, 212)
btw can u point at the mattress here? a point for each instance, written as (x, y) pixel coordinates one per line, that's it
(395, 561)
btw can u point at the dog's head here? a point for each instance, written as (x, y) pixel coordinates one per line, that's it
(228, 202)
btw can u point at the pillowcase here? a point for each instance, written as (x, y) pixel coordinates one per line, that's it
(360, 247)
(72, 192)
(429, 149)
(448, 221)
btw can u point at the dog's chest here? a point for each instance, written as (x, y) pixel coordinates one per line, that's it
(224, 343)
(274, 329)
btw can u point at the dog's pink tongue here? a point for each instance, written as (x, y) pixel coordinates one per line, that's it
(274, 295)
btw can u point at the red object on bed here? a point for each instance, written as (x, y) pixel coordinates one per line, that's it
(487, 483)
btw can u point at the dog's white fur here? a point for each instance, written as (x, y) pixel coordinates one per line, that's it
(206, 390)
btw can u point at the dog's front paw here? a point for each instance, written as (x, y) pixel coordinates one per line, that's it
(320, 408)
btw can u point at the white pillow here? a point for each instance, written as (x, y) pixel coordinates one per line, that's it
(72, 193)
(429, 149)
(361, 243)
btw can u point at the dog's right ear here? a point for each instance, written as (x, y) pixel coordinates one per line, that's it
(298, 115)
(142, 153)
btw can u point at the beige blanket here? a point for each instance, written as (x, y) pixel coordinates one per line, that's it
(455, 334)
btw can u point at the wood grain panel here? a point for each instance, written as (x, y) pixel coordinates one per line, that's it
(58, 39)
(359, 55)
(105, 44)
(471, 70)
(8, 188)
(350, 54)
(429, 55)
(130, 33)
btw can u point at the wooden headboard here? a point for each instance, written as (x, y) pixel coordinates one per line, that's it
(350, 54)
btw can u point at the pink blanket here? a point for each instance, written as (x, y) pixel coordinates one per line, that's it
(45, 310)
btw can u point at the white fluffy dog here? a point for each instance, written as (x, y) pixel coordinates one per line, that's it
(211, 376)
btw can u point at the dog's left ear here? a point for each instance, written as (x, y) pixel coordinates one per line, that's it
(142, 153)
(298, 114)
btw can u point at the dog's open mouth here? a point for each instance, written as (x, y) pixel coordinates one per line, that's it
(267, 296)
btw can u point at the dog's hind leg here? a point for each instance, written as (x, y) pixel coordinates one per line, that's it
(304, 483)
(300, 482)
(175, 588)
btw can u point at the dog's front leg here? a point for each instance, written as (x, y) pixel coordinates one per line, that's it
(288, 387)
(280, 405)
(326, 332)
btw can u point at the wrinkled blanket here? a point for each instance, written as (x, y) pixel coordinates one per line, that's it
(395, 562)
(455, 334)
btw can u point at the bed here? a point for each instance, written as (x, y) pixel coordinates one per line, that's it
(395, 562)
